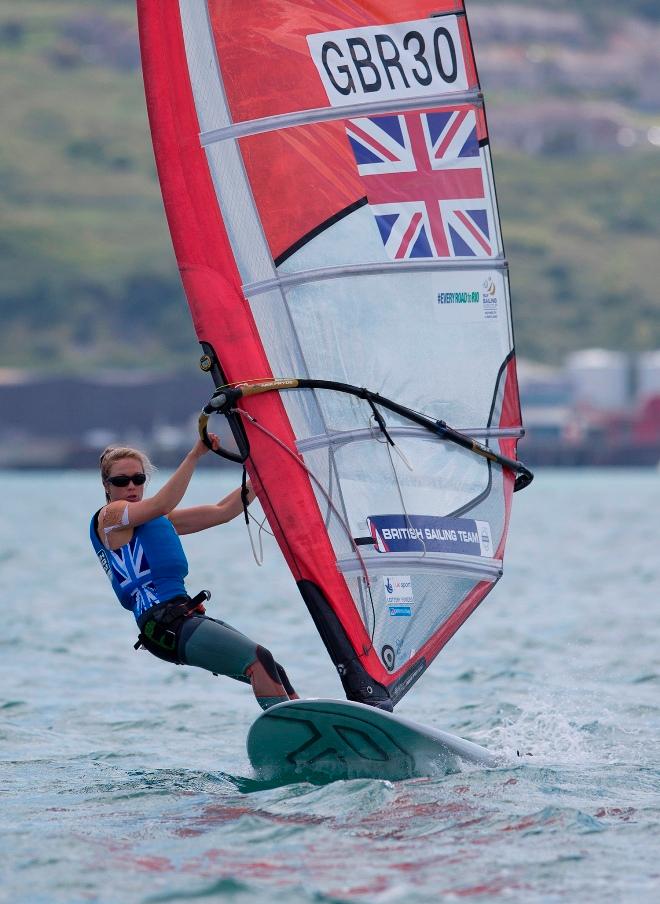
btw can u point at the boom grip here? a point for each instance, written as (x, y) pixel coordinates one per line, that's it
(202, 426)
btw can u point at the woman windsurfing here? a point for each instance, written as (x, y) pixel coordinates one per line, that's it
(137, 543)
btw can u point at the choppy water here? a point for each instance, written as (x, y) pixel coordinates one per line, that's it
(125, 779)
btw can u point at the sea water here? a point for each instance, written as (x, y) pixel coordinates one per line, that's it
(125, 779)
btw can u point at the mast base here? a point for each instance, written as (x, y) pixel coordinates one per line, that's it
(359, 686)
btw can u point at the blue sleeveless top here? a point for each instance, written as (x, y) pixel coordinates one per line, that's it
(148, 570)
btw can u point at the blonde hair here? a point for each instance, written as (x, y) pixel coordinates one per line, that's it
(112, 454)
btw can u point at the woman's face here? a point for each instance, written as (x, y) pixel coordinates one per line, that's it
(125, 467)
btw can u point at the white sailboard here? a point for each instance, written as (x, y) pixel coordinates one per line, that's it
(325, 740)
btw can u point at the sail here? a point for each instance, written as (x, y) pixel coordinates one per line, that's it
(327, 179)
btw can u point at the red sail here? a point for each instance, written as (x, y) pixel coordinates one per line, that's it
(327, 182)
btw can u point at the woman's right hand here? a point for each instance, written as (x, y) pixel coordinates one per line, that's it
(200, 448)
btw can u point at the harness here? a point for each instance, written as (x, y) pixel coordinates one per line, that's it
(159, 632)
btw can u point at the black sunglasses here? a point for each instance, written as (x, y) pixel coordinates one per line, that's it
(123, 480)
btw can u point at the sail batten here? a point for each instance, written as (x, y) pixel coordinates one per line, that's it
(466, 566)
(329, 114)
(302, 276)
(309, 443)
(327, 179)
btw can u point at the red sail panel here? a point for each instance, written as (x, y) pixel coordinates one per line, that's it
(263, 48)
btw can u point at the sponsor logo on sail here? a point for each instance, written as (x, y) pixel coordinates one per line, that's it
(485, 538)
(489, 299)
(398, 590)
(388, 656)
(398, 689)
(458, 298)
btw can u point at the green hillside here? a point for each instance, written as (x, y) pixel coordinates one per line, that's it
(582, 241)
(87, 273)
(87, 276)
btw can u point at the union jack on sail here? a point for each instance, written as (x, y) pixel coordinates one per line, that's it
(424, 180)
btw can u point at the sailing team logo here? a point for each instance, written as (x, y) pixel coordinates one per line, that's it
(489, 299)
(425, 534)
(489, 287)
(423, 175)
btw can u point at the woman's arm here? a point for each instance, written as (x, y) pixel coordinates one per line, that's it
(132, 514)
(200, 517)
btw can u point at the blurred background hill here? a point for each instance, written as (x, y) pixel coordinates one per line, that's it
(88, 281)
(87, 271)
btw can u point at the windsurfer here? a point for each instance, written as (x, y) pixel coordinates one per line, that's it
(137, 541)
